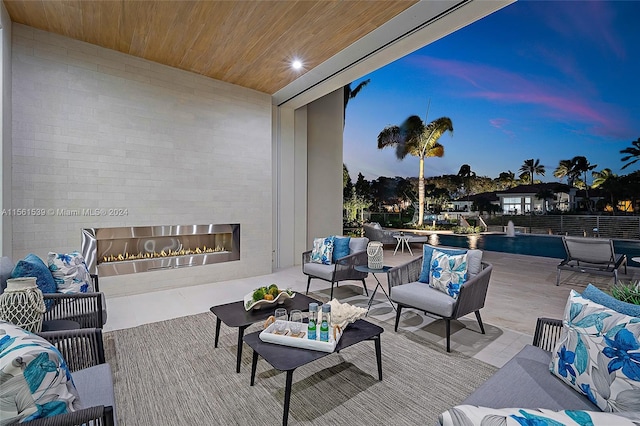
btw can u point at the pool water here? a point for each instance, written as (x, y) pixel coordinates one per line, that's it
(532, 245)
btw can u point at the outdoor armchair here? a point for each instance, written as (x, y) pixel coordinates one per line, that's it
(408, 292)
(74, 310)
(83, 352)
(343, 269)
(67, 310)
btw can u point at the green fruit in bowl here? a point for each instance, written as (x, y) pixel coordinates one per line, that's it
(274, 291)
(258, 294)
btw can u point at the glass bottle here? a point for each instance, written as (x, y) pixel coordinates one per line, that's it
(313, 317)
(325, 322)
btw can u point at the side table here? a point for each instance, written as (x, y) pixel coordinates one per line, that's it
(288, 358)
(235, 315)
(403, 240)
(385, 269)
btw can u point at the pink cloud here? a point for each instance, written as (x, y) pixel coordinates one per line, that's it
(554, 99)
(500, 124)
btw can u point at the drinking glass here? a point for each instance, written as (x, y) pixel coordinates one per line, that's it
(281, 320)
(295, 317)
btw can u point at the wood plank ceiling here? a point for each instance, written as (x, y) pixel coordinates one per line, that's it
(248, 43)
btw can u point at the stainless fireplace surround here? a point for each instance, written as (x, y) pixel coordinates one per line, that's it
(127, 250)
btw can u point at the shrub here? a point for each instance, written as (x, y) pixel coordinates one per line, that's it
(467, 230)
(627, 292)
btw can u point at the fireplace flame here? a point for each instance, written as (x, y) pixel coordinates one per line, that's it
(170, 253)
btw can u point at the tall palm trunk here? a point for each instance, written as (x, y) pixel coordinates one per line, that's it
(586, 193)
(421, 192)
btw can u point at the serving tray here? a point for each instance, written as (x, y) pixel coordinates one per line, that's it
(269, 335)
(250, 304)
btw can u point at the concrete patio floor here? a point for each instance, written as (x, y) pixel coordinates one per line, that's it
(522, 288)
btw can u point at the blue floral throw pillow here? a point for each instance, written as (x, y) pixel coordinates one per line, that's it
(427, 253)
(322, 250)
(448, 273)
(36, 381)
(70, 272)
(470, 415)
(599, 354)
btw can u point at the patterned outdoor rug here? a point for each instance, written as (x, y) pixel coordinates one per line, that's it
(465, 333)
(169, 373)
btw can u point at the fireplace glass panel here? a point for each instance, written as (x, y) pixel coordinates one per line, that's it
(117, 251)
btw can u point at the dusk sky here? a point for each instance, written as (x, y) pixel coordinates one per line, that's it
(536, 79)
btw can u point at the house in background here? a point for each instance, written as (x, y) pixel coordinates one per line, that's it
(129, 114)
(483, 202)
(525, 199)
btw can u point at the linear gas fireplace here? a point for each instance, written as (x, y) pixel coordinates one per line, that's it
(127, 250)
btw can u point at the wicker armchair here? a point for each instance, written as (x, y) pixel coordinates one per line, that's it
(83, 351)
(407, 292)
(75, 310)
(547, 334)
(342, 270)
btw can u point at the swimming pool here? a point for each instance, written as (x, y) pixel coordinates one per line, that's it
(529, 244)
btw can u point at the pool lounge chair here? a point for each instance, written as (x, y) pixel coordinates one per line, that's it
(591, 255)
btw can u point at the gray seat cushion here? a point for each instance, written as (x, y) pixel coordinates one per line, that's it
(95, 386)
(525, 382)
(421, 296)
(319, 270)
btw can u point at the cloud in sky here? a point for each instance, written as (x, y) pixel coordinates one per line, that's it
(554, 99)
(500, 124)
(590, 21)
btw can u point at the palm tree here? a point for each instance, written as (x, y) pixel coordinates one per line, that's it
(634, 153)
(420, 140)
(579, 165)
(545, 194)
(507, 179)
(531, 167)
(608, 181)
(465, 173)
(564, 170)
(350, 94)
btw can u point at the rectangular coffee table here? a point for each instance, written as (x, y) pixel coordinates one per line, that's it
(287, 358)
(234, 315)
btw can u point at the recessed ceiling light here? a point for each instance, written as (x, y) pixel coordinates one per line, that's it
(296, 64)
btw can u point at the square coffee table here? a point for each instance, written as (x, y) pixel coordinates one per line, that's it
(288, 358)
(234, 315)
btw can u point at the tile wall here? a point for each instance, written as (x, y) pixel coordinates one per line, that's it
(101, 139)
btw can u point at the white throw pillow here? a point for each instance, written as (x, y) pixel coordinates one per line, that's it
(469, 415)
(322, 250)
(598, 354)
(448, 272)
(70, 272)
(36, 382)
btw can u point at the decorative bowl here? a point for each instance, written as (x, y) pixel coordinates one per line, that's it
(250, 304)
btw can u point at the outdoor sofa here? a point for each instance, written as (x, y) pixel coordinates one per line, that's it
(526, 389)
(375, 232)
